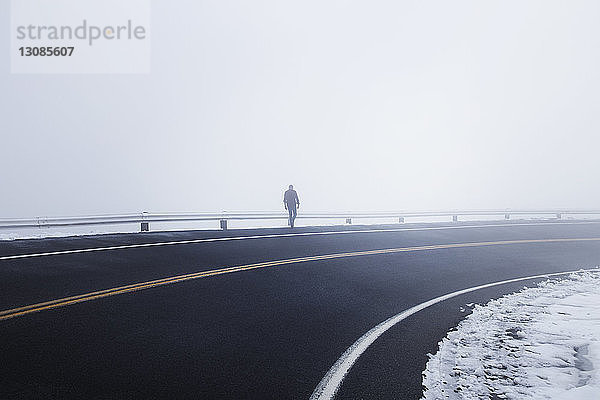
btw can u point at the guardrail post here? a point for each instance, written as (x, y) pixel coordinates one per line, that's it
(401, 220)
(349, 221)
(558, 215)
(455, 218)
(223, 224)
(42, 222)
(506, 216)
(145, 225)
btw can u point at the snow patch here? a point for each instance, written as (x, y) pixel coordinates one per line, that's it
(539, 343)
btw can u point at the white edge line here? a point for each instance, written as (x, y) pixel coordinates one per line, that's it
(224, 239)
(331, 382)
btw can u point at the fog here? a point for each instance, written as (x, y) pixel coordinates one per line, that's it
(378, 105)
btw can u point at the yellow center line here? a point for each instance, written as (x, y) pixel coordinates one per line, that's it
(47, 305)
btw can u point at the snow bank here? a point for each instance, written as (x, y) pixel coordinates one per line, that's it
(42, 233)
(539, 343)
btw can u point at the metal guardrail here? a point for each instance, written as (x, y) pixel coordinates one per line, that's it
(144, 218)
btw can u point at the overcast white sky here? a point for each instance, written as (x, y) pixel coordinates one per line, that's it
(362, 105)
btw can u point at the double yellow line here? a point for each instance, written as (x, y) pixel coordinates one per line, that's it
(48, 305)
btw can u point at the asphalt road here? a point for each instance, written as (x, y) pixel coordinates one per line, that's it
(271, 332)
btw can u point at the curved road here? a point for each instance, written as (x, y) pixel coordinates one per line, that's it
(254, 314)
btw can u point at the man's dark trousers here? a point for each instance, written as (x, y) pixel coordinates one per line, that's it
(293, 212)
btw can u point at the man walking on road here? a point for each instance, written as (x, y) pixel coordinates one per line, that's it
(291, 203)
